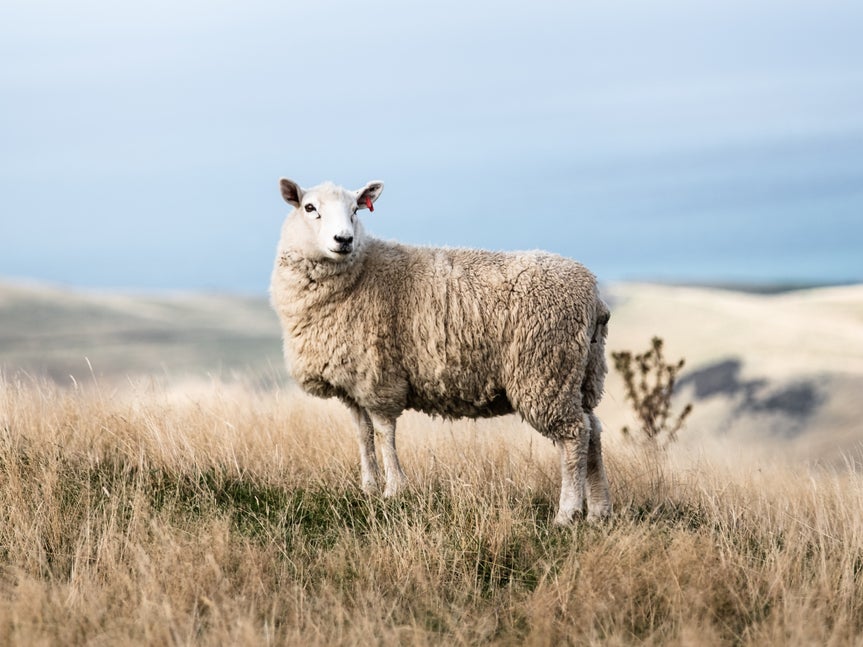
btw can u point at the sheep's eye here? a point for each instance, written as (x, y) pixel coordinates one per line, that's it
(310, 208)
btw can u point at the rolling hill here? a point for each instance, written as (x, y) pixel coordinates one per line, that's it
(54, 332)
(764, 370)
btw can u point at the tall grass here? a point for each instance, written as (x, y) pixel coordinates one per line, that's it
(226, 515)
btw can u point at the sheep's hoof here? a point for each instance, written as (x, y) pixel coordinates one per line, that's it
(599, 509)
(599, 516)
(370, 487)
(393, 491)
(394, 487)
(567, 519)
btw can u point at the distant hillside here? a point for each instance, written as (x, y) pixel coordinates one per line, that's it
(759, 367)
(53, 332)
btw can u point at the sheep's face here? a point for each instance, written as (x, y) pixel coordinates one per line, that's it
(324, 223)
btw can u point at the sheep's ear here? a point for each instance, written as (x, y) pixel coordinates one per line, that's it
(291, 191)
(368, 194)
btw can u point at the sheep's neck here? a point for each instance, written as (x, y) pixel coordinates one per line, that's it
(327, 276)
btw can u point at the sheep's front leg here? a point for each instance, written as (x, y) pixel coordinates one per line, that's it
(573, 472)
(368, 459)
(395, 476)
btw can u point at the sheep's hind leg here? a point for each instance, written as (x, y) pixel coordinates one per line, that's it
(396, 479)
(368, 458)
(573, 471)
(598, 498)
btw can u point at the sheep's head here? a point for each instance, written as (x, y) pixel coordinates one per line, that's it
(324, 223)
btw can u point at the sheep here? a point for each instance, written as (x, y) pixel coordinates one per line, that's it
(385, 327)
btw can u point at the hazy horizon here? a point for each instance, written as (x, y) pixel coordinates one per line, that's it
(681, 142)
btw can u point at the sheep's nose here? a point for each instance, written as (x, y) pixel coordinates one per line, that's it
(344, 239)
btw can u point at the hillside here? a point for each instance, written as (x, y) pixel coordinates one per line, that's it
(760, 368)
(192, 509)
(53, 332)
(226, 517)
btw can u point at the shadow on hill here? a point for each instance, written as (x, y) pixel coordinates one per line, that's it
(799, 400)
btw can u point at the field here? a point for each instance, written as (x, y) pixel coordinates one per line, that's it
(227, 517)
(219, 509)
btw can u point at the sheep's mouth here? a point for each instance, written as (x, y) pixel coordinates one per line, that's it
(342, 250)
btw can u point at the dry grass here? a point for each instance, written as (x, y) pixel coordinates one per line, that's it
(222, 515)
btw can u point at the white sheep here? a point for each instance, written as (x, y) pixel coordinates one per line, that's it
(386, 327)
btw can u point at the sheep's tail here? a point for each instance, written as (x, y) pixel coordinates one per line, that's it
(594, 376)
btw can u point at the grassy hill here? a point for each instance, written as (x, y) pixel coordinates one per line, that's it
(767, 373)
(53, 332)
(214, 504)
(233, 516)
(760, 367)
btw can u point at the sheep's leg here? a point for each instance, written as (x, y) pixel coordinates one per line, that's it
(598, 498)
(395, 476)
(573, 471)
(368, 458)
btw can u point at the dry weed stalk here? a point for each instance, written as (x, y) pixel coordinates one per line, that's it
(649, 383)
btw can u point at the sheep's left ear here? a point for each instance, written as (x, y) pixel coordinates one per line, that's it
(368, 194)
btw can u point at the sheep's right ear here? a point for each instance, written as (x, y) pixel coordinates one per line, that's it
(291, 191)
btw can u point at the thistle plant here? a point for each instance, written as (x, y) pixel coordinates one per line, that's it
(649, 384)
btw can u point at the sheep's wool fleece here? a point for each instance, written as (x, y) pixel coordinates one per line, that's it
(452, 332)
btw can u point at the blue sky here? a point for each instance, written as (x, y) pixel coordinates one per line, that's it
(141, 144)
